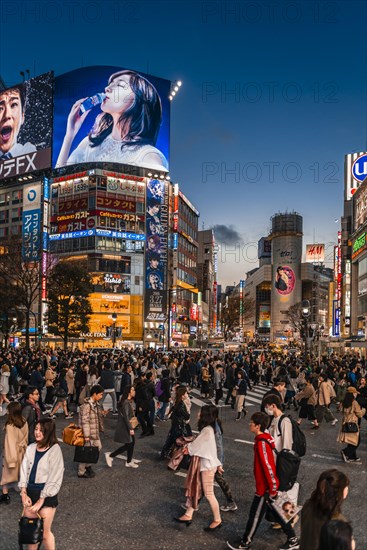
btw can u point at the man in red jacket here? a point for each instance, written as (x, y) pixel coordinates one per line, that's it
(266, 486)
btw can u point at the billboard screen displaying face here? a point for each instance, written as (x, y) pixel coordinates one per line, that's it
(26, 126)
(109, 114)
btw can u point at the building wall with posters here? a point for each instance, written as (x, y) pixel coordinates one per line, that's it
(286, 244)
(358, 264)
(184, 301)
(207, 273)
(355, 173)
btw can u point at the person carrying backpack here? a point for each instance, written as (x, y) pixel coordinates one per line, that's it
(290, 446)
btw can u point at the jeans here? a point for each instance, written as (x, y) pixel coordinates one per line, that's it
(128, 447)
(112, 393)
(162, 411)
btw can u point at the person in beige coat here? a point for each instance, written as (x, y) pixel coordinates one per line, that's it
(15, 445)
(352, 413)
(324, 395)
(70, 381)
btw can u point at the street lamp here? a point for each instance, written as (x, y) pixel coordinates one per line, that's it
(114, 319)
(305, 314)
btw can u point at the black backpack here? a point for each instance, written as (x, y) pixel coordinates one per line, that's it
(299, 438)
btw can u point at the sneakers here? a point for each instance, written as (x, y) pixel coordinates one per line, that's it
(292, 543)
(131, 464)
(354, 461)
(230, 507)
(239, 546)
(70, 415)
(115, 413)
(333, 422)
(109, 460)
(53, 416)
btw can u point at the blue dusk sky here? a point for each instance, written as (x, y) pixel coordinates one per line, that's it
(273, 96)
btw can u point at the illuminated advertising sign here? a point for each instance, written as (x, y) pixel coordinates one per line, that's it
(355, 171)
(31, 223)
(89, 98)
(315, 253)
(264, 316)
(155, 305)
(264, 248)
(99, 233)
(109, 203)
(26, 134)
(156, 240)
(111, 282)
(360, 207)
(359, 245)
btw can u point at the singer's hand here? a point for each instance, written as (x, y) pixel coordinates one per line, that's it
(75, 119)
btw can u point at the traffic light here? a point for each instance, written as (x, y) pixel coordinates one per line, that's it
(183, 318)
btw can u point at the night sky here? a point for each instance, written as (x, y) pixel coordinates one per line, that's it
(273, 96)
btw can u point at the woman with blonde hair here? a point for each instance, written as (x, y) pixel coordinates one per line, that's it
(15, 444)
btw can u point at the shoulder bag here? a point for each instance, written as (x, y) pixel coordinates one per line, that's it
(350, 428)
(30, 530)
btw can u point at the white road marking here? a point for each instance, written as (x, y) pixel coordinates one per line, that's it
(123, 457)
(244, 441)
(333, 458)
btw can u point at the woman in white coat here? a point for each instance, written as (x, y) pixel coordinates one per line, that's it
(204, 447)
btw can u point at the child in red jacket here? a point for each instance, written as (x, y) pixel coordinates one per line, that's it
(266, 486)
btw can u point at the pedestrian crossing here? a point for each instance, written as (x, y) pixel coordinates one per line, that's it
(253, 398)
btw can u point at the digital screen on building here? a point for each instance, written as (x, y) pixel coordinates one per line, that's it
(26, 126)
(156, 245)
(264, 316)
(110, 114)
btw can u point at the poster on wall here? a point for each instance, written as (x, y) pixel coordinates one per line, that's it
(285, 280)
(110, 114)
(26, 126)
(156, 239)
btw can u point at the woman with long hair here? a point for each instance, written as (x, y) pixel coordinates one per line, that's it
(124, 431)
(324, 505)
(41, 475)
(15, 444)
(349, 429)
(204, 447)
(127, 129)
(180, 417)
(337, 535)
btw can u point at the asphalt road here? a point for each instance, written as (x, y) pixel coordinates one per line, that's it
(125, 508)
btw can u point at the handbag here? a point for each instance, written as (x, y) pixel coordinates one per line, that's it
(234, 392)
(86, 454)
(134, 422)
(73, 435)
(350, 428)
(30, 530)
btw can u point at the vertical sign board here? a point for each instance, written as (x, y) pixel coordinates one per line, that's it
(31, 226)
(156, 251)
(45, 234)
(242, 285)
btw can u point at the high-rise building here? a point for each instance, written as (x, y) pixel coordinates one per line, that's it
(207, 277)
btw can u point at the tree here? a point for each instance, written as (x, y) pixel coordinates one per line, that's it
(231, 313)
(20, 283)
(295, 318)
(69, 308)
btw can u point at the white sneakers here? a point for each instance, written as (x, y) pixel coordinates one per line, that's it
(109, 460)
(333, 422)
(132, 464)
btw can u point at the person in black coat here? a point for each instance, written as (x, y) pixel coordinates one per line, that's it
(179, 418)
(279, 385)
(124, 431)
(37, 380)
(230, 383)
(142, 406)
(165, 396)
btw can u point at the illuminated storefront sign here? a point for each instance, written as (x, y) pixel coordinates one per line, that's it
(359, 245)
(98, 233)
(31, 226)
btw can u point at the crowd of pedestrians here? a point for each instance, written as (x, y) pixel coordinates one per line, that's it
(147, 387)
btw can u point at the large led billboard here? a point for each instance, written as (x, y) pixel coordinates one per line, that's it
(110, 114)
(26, 126)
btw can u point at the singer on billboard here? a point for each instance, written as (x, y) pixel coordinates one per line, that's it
(127, 129)
(12, 105)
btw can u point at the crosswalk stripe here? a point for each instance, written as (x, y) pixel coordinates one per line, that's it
(244, 441)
